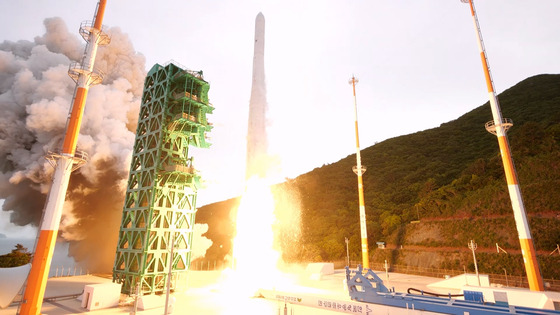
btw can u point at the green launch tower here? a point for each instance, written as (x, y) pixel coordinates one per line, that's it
(160, 201)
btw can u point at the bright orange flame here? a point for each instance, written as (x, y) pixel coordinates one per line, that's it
(260, 223)
(253, 245)
(256, 252)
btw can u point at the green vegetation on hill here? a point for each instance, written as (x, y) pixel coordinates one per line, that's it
(450, 177)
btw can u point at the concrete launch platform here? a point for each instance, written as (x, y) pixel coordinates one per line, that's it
(206, 295)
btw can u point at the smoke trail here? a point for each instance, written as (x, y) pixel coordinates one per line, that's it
(35, 96)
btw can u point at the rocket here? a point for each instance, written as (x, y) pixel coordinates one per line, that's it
(66, 161)
(257, 145)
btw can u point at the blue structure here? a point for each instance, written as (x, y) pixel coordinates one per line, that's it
(369, 288)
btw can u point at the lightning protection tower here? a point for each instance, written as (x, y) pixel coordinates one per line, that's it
(160, 203)
(64, 160)
(499, 127)
(359, 169)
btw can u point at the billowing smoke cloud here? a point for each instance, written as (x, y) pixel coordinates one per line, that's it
(35, 97)
(200, 243)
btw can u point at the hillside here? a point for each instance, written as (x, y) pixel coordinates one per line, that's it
(449, 178)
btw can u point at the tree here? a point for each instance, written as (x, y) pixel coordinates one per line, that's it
(18, 257)
(389, 223)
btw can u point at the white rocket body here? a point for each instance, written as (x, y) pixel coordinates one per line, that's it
(257, 144)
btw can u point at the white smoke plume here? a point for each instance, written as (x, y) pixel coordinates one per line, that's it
(200, 243)
(35, 97)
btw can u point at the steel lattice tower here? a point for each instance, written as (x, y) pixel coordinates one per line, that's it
(160, 202)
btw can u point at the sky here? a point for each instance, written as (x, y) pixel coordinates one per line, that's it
(417, 63)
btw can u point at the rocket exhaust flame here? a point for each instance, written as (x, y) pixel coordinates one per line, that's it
(255, 215)
(260, 218)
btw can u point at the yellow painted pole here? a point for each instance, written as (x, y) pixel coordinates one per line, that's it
(359, 170)
(499, 127)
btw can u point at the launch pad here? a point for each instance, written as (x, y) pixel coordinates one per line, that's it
(206, 295)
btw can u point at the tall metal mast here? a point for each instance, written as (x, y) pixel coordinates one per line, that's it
(359, 170)
(66, 161)
(499, 127)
